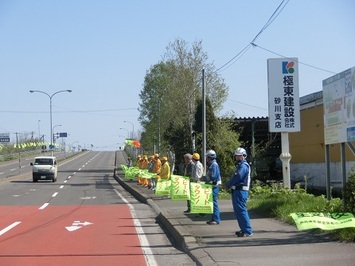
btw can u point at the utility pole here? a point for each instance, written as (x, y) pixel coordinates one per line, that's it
(19, 153)
(159, 126)
(203, 122)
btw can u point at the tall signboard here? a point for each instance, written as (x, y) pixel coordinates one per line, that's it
(339, 118)
(339, 107)
(284, 105)
(283, 89)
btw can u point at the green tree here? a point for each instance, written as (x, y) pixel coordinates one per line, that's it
(220, 137)
(171, 89)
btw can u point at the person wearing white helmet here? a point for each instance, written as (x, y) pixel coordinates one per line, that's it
(239, 183)
(213, 177)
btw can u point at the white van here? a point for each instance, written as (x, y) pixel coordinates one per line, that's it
(44, 168)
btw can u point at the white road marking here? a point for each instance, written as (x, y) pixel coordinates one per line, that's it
(55, 194)
(85, 198)
(61, 186)
(3, 231)
(43, 206)
(148, 254)
(77, 225)
(69, 177)
(65, 181)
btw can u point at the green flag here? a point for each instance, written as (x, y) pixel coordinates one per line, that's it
(180, 187)
(163, 187)
(201, 198)
(146, 174)
(130, 172)
(325, 221)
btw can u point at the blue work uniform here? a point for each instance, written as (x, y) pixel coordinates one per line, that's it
(240, 184)
(214, 177)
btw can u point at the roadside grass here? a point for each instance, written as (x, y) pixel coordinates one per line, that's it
(275, 202)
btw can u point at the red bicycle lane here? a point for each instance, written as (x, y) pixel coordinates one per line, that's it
(69, 235)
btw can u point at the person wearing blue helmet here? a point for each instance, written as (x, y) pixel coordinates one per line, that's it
(239, 183)
(213, 177)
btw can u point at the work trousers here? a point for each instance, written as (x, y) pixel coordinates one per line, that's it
(216, 214)
(239, 200)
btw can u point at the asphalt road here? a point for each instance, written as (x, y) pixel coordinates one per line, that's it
(21, 166)
(85, 218)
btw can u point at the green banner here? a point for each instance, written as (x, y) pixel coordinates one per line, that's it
(325, 221)
(201, 198)
(146, 174)
(163, 187)
(129, 172)
(180, 187)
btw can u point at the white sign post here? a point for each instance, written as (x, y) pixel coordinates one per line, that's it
(284, 106)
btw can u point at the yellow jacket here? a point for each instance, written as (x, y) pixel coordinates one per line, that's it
(165, 171)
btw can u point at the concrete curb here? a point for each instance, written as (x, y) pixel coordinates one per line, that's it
(180, 235)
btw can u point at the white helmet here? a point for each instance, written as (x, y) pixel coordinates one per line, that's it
(240, 151)
(211, 153)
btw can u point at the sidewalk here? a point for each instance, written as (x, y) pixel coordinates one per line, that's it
(273, 242)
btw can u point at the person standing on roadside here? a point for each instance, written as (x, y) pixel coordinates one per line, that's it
(156, 169)
(189, 164)
(197, 170)
(164, 171)
(239, 183)
(213, 177)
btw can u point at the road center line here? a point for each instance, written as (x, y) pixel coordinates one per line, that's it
(43, 206)
(3, 231)
(55, 194)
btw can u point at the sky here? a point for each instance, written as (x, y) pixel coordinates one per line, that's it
(102, 50)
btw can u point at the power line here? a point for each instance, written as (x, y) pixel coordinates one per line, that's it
(69, 111)
(322, 69)
(274, 15)
(254, 106)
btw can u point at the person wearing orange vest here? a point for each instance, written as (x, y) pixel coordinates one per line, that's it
(143, 166)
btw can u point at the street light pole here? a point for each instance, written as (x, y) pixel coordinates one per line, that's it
(50, 110)
(39, 131)
(53, 132)
(132, 126)
(126, 130)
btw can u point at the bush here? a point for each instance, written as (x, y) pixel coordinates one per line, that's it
(349, 197)
(272, 201)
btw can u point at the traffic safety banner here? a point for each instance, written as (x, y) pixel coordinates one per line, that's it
(163, 187)
(201, 199)
(180, 187)
(325, 221)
